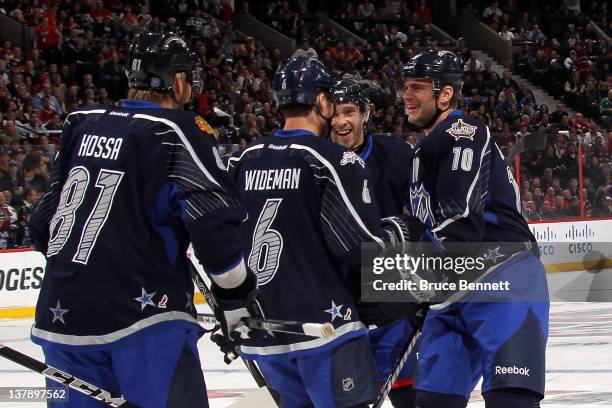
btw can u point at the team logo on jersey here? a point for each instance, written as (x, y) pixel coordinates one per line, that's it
(420, 202)
(350, 158)
(163, 303)
(461, 129)
(203, 125)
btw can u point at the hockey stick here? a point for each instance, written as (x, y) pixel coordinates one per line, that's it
(324, 330)
(397, 368)
(268, 392)
(532, 141)
(63, 378)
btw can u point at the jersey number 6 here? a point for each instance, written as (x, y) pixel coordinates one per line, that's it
(267, 243)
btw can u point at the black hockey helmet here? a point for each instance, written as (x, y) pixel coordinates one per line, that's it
(348, 90)
(299, 80)
(442, 67)
(154, 59)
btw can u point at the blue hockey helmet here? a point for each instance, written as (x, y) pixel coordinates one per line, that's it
(299, 80)
(155, 58)
(348, 90)
(441, 67)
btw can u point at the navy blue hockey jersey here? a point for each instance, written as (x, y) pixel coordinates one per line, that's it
(388, 160)
(310, 208)
(131, 187)
(462, 188)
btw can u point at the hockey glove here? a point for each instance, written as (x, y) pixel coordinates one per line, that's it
(402, 229)
(235, 304)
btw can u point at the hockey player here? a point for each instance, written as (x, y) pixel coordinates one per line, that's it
(462, 189)
(131, 187)
(310, 208)
(388, 164)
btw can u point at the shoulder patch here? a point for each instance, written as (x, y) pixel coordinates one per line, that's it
(461, 129)
(203, 125)
(350, 158)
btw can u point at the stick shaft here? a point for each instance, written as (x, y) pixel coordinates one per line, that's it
(63, 378)
(397, 368)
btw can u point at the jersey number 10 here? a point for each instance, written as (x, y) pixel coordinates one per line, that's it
(71, 198)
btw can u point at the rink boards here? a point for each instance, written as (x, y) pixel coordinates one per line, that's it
(575, 253)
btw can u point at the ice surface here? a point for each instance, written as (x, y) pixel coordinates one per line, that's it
(579, 361)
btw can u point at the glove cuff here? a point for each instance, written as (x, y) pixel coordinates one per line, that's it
(239, 296)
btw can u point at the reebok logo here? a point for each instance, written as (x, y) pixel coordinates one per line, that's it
(512, 370)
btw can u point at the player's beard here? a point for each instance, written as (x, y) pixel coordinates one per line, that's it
(354, 138)
(423, 115)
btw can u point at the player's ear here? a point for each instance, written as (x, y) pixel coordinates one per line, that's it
(179, 85)
(325, 104)
(446, 95)
(366, 114)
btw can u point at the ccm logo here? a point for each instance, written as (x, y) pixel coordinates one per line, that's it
(512, 370)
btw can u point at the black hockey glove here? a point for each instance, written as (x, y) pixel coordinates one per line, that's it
(403, 229)
(232, 305)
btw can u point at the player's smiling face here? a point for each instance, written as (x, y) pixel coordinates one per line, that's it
(419, 101)
(347, 126)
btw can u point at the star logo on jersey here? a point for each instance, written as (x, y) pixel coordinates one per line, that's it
(493, 254)
(350, 158)
(145, 299)
(335, 311)
(461, 129)
(203, 125)
(58, 313)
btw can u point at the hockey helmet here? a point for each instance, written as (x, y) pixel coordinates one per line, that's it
(155, 58)
(299, 80)
(441, 67)
(348, 90)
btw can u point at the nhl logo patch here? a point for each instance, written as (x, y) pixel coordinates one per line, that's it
(203, 125)
(347, 384)
(461, 129)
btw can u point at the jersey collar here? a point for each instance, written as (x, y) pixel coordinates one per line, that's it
(293, 133)
(456, 112)
(366, 148)
(139, 104)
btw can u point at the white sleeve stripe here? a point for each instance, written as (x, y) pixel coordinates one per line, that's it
(465, 213)
(232, 277)
(186, 143)
(86, 112)
(232, 159)
(340, 187)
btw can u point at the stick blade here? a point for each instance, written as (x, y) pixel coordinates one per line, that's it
(262, 398)
(535, 141)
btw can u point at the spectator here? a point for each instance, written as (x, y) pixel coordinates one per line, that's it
(605, 110)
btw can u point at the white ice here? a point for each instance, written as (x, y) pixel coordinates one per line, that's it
(579, 361)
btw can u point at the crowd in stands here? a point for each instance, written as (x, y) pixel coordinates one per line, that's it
(561, 52)
(80, 50)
